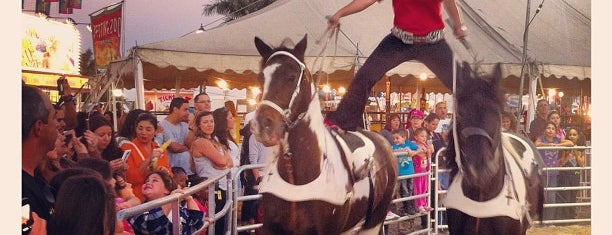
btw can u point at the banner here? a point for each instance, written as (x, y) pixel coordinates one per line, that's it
(106, 34)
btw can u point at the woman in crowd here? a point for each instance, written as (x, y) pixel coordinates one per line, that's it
(107, 145)
(211, 158)
(224, 126)
(393, 122)
(126, 131)
(159, 184)
(146, 155)
(84, 205)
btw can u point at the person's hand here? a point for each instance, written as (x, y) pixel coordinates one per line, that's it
(39, 227)
(460, 32)
(117, 164)
(66, 86)
(181, 191)
(92, 141)
(333, 21)
(79, 147)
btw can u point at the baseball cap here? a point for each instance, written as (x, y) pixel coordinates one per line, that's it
(415, 113)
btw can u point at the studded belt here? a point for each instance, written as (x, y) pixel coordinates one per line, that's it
(409, 38)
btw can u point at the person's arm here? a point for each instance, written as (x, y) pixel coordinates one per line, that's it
(453, 12)
(189, 138)
(70, 112)
(351, 8)
(206, 148)
(253, 154)
(177, 147)
(566, 143)
(539, 143)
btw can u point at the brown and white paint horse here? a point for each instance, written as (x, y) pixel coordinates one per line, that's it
(319, 182)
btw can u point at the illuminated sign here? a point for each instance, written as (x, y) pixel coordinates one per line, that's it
(50, 80)
(49, 46)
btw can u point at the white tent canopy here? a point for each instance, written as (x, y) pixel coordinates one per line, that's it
(559, 39)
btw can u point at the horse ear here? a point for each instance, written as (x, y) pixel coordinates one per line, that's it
(464, 73)
(300, 48)
(264, 50)
(497, 74)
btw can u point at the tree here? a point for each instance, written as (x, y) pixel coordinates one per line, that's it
(234, 9)
(87, 63)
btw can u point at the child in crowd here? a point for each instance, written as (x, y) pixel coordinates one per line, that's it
(549, 138)
(570, 178)
(421, 161)
(401, 144)
(158, 184)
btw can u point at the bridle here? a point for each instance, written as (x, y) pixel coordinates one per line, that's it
(286, 113)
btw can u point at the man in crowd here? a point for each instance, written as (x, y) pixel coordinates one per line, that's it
(536, 127)
(38, 134)
(175, 129)
(201, 102)
(445, 123)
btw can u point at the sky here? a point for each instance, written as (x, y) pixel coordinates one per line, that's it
(146, 21)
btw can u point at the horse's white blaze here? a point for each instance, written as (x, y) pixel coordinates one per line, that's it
(267, 72)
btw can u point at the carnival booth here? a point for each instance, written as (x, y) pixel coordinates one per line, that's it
(50, 49)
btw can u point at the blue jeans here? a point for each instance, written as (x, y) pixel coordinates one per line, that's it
(550, 197)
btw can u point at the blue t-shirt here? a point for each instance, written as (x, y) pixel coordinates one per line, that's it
(404, 162)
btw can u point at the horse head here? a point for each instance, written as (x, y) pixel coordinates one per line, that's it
(288, 88)
(478, 124)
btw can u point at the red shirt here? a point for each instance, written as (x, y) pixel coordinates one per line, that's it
(418, 17)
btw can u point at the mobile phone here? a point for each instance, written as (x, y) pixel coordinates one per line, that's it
(68, 139)
(26, 215)
(60, 85)
(126, 155)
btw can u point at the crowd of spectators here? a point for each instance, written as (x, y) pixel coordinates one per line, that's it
(63, 148)
(71, 159)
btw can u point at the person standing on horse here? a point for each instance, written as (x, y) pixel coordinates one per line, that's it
(417, 34)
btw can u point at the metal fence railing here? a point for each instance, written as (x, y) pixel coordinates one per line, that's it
(435, 224)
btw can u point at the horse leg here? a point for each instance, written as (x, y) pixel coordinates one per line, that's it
(456, 222)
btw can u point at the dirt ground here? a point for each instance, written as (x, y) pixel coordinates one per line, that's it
(560, 230)
(406, 227)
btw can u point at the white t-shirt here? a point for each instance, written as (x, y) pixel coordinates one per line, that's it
(444, 126)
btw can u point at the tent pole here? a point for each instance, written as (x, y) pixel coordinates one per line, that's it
(139, 83)
(524, 61)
